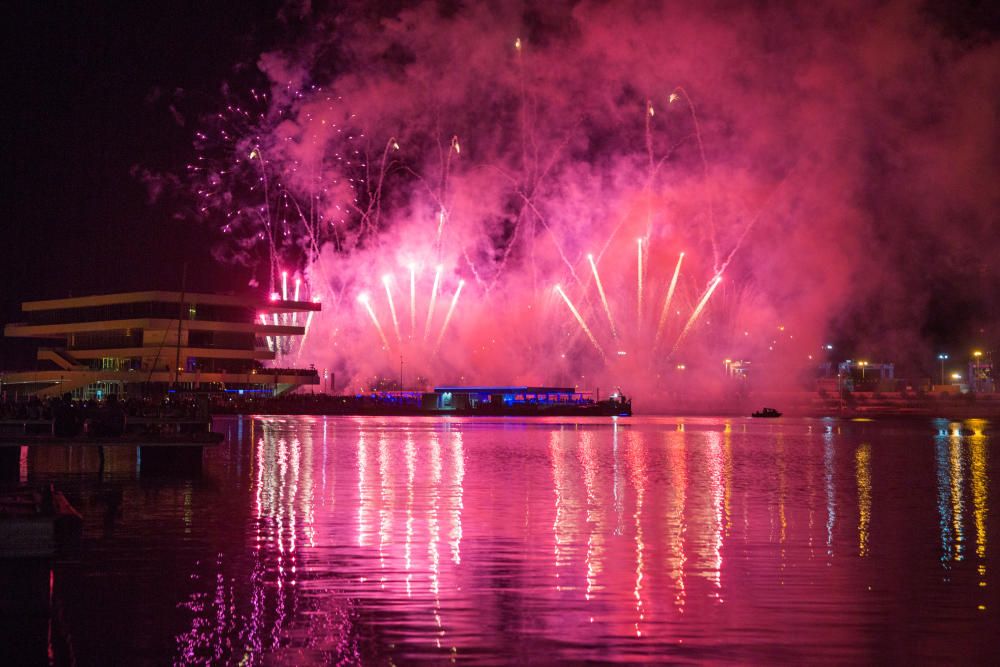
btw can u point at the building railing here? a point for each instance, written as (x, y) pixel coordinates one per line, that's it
(287, 371)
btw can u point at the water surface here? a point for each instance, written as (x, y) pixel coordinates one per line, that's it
(400, 540)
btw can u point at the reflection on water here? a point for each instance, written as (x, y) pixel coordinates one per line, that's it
(863, 468)
(831, 497)
(317, 540)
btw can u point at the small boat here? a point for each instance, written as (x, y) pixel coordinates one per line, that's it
(767, 413)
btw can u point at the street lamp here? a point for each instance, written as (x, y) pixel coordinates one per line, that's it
(862, 364)
(942, 358)
(977, 354)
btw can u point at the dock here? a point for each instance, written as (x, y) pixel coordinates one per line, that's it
(161, 445)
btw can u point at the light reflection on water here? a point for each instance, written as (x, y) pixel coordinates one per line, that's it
(377, 540)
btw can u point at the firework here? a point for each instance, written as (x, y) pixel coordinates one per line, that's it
(413, 301)
(365, 301)
(447, 318)
(697, 311)
(433, 299)
(270, 198)
(305, 200)
(270, 341)
(666, 303)
(579, 319)
(604, 297)
(638, 300)
(308, 326)
(392, 307)
(298, 288)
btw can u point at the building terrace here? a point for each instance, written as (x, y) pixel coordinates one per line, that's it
(148, 341)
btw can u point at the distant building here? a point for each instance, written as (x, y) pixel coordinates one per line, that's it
(981, 377)
(866, 376)
(147, 342)
(738, 369)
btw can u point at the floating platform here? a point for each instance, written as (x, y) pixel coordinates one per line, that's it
(448, 401)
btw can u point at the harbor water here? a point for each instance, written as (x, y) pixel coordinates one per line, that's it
(341, 540)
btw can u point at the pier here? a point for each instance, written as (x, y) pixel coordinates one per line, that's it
(160, 445)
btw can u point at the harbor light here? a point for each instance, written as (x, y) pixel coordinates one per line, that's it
(942, 358)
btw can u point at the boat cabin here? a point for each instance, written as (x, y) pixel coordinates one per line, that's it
(465, 398)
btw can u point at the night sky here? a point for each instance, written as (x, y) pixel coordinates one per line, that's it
(99, 93)
(87, 84)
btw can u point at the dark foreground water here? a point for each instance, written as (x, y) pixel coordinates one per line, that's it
(398, 540)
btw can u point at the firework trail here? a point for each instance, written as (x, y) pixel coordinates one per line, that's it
(364, 300)
(306, 329)
(697, 311)
(666, 303)
(447, 318)
(251, 176)
(638, 300)
(433, 300)
(579, 319)
(298, 288)
(270, 341)
(266, 216)
(674, 96)
(413, 301)
(392, 307)
(604, 297)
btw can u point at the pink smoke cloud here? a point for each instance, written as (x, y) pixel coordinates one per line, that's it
(819, 155)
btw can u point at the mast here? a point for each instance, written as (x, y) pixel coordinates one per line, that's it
(180, 320)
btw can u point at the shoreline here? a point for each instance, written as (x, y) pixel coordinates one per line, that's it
(790, 404)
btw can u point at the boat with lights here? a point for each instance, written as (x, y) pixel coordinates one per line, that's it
(449, 400)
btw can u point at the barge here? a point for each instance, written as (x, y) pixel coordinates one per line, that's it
(459, 401)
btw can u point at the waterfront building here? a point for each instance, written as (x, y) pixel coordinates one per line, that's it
(857, 375)
(140, 343)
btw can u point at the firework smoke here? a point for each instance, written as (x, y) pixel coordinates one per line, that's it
(745, 142)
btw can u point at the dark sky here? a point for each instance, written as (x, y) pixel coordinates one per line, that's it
(86, 100)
